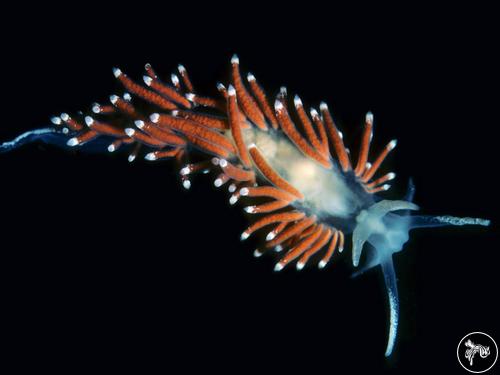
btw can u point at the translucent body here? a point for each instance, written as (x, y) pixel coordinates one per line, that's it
(326, 191)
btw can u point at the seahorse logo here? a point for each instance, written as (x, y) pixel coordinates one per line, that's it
(483, 351)
(477, 352)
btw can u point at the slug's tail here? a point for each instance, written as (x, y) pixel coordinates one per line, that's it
(54, 137)
(45, 135)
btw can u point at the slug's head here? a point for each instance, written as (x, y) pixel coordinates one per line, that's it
(385, 230)
(386, 225)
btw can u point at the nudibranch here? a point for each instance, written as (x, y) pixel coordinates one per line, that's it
(288, 166)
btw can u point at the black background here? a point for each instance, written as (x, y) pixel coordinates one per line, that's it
(111, 266)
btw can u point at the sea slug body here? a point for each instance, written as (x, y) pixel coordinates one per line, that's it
(303, 189)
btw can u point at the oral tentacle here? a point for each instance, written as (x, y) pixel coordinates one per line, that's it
(445, 220)
(392, 293)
